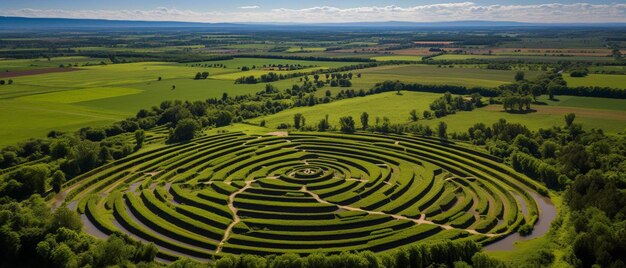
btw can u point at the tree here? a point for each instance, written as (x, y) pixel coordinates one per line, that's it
(198, 76)
(173, 87)
(31, 179)
(414, 115)
(346, 124)
(569, 119)
(223, 118)
(140, 137)
(442, 130)
(616, 54)
(365, 120)
(159, 79)
(9, 82)
(58, 178)
(427, 114)
(185, 130)
(205, 75)
(323, 125)
(63, 217)
(519, 76)
(297, 120)
(397, 88)
(86, 155)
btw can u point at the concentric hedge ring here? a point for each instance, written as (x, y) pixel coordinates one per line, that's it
(300, 193)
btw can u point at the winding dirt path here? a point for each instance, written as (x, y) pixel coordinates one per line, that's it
(421, 220)
(236, 219)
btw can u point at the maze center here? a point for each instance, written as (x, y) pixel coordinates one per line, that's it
(302, 193)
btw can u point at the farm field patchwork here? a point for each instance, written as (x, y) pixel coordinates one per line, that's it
(112, 92)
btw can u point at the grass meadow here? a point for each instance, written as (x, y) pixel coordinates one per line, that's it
(398, 57)
(597, 80)
(607, 114)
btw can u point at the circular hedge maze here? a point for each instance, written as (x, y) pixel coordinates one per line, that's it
(237, 193)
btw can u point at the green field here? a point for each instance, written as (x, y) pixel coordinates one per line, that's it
(597, 80)
(598, 113)
(305, 49)
(395, 107)
(522, 57)
(610, 121)
(29, 64)
(431, 74)
(465, 57)
(397, 57)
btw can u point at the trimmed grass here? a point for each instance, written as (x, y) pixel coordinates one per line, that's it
(22, 120)
(597, 80)
(79, 95)
(586, 102)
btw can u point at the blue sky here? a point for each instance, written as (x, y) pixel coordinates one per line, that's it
(322, 10)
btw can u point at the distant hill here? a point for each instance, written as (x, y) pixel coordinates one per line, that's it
(61, 23)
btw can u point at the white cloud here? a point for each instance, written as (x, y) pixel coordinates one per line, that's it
(249, 7)
(549, 12)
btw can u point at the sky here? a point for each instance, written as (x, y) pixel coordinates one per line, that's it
(321, 11)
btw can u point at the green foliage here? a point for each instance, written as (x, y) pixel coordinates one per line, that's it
(569, 119)
(58, 179)
(482, 260)
(365, 120)
(185, 130)
(525, 230)
(33, 236)
(442, 130)
(346, 124)
(298, 120)
(140, 137)
(27, 180)
(519, 76)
